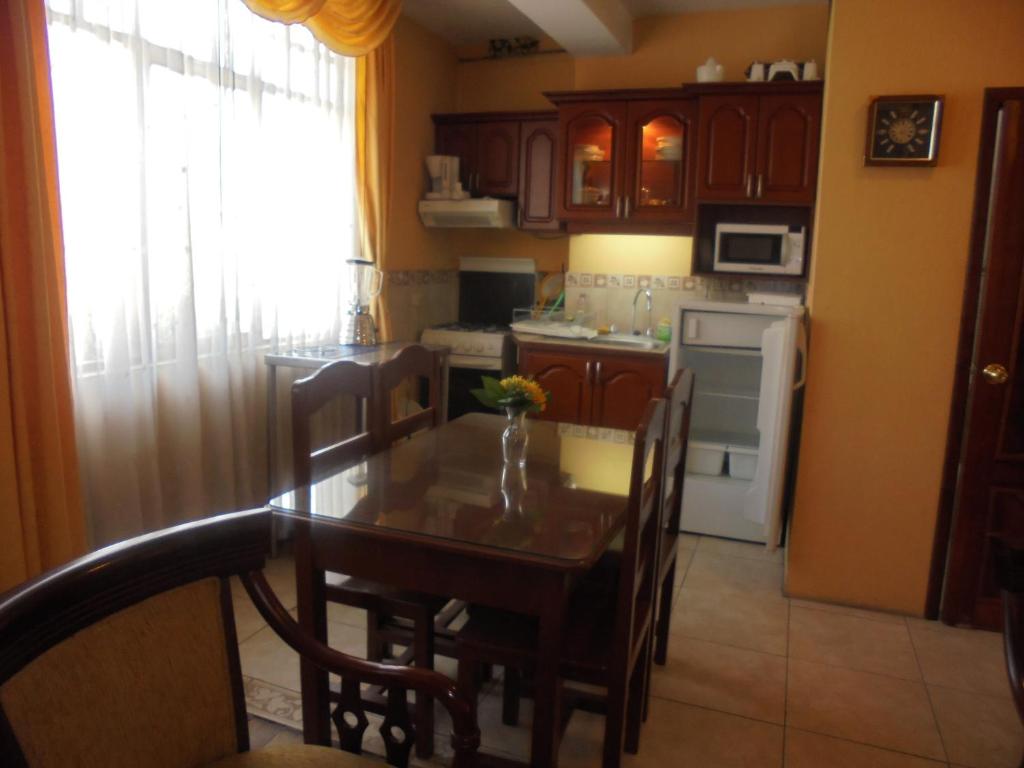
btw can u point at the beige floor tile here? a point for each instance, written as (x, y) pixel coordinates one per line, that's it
(734, 574)
(688, 541)
(873, 709)
(346, 614)
(679, 736)
(968, 659)
(755, 621)
(266, 657)
(813, 750)
(280, 573)
(721, 677)
(863, 613)
(978, 731)
(850, 641)
(683, 560)
(745, 549)
(247, 619)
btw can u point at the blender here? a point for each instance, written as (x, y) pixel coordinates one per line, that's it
(367, 280)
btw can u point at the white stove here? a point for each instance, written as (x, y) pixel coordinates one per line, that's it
(477, 346)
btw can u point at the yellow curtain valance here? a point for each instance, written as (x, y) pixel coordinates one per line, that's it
(348, 27)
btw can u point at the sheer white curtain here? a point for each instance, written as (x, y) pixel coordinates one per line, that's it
(207, 179)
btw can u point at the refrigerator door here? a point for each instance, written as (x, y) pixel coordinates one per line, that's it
(763, 502)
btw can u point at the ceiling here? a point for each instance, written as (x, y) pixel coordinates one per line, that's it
(464, 22)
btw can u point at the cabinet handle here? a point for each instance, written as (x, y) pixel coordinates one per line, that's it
(627, 215)
(597, 373)
(760, 185)
(476, 181)
(750, 185)
(588, 372)
(618, 206)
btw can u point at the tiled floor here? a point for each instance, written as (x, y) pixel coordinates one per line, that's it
(753, 679)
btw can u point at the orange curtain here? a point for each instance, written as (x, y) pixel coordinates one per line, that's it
(41, 519)
(348, 27)
(375, 128)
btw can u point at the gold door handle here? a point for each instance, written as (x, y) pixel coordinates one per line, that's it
(995, 373)
(750, 185)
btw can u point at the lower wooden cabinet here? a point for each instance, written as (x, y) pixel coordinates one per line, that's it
(603, 389)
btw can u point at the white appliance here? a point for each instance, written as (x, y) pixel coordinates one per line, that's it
(444, 173)
(770, 249)
(483, 212)
(745, 359)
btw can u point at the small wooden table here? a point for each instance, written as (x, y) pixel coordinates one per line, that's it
(442, 514)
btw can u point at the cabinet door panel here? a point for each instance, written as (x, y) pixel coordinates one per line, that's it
(459, 139)
(498, 159)
(728, 142)
(538, 155)
(660, 151)
(787, 152)
(566, 377)
(622, 389)
(591, 166)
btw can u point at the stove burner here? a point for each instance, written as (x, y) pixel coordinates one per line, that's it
(472, 327)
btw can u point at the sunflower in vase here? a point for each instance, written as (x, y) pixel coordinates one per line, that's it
(517, 395)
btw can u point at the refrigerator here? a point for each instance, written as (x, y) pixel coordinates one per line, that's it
(748, 360)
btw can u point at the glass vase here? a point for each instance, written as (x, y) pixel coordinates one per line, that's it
(515, 438)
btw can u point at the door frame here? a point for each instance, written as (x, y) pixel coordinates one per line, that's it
(935, 607)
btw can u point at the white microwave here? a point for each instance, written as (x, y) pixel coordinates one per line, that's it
(770, 249)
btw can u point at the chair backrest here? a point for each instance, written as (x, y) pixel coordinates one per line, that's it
(309, 396)
(679, 405)
(1008, 560)
(128, 656)
(638, 573)
(417, 362)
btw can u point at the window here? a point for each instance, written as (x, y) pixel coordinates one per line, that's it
(206, 163)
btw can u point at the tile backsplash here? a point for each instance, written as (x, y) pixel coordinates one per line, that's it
(610, 296)
(420, 298)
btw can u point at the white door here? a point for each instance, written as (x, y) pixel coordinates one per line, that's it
(763, 502)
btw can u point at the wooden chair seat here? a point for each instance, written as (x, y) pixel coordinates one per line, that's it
(296, 756)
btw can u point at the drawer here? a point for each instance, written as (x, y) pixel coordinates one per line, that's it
(722, 329)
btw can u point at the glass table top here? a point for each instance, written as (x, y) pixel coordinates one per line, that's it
(451, 483)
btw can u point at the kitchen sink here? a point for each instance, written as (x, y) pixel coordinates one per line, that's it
(628, 340)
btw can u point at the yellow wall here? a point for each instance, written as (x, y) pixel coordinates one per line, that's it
(668, 49)
(424, 77)
(888, 271)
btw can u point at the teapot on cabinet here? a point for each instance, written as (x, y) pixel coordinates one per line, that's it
(710, 71)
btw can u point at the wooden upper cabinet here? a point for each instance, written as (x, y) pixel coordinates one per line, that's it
(590, 172)
(661, 150)
(787, 152)
(497, 160)
(538, 154)
(459, 139)
(760, 147)
(728, 147)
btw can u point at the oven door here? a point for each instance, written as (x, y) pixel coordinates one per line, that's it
(461, 380)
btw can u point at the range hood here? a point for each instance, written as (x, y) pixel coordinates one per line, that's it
(484, 213)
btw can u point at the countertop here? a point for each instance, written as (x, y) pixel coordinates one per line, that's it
(582, 344)
(318, 356)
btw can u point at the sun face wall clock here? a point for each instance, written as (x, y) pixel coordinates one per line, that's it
(903, 130)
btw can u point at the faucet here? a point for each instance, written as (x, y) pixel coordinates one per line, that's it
(648, 331)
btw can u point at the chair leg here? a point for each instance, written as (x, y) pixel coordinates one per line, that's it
(511, 690)
(664, 616)
(375, 649)
(423, 657)
(468, 679)
(636, 701)
(614, 724)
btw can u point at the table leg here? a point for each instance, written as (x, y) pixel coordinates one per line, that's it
(547, 710)
(312, 607)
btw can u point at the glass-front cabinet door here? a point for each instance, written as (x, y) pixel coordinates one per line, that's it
(661, 149)
(592, 162)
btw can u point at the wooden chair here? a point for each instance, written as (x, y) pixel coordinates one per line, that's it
(128, 656)
(411, 362)
(393, 616)
(1008, 556)
(617, 660)
(679, 399)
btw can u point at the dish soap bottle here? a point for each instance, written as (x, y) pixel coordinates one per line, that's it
(664, 330)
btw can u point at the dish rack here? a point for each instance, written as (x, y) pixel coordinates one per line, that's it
(547, 322)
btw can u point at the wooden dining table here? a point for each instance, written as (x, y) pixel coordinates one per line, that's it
(441, 513)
